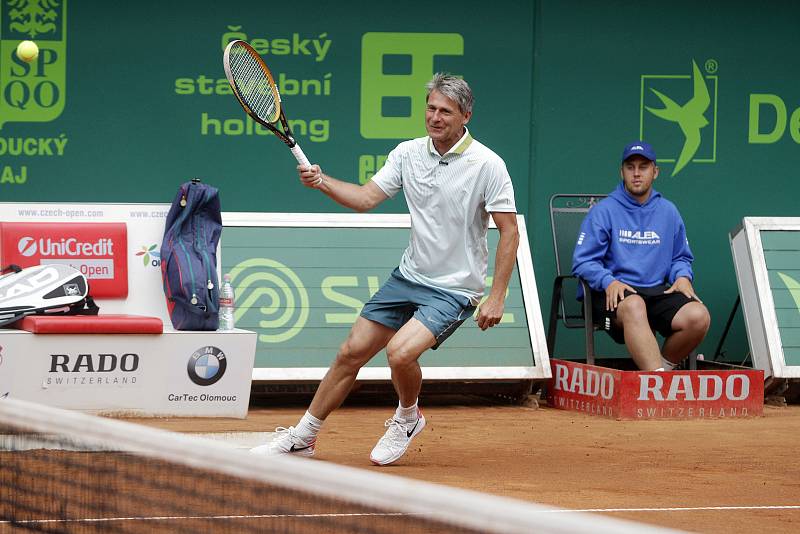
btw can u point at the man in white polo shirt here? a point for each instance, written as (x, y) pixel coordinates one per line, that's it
(452, 184)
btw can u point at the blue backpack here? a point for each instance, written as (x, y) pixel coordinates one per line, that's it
(189, 257)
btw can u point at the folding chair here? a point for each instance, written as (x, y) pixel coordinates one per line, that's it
(567, 212)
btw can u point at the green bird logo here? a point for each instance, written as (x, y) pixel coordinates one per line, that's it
(690, 117)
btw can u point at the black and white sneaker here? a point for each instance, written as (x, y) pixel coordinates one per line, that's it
(395, 441)
(286, 442)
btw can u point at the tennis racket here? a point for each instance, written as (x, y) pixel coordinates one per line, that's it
(254, 87)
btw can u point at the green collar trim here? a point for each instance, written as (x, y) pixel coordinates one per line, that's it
(458, 148)
(463, 144)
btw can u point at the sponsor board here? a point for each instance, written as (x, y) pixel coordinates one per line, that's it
(98, 250)
(144, 225)
(638, 395)
(302, 301)
(766, 254)
(191, 374)
(186, 373)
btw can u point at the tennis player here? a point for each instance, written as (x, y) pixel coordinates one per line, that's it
(633, 252)
(452, 184)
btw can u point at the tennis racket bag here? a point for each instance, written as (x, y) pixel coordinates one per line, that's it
(189, 257)
(53, 289)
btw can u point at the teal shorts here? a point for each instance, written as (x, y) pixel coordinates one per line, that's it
(400, 299)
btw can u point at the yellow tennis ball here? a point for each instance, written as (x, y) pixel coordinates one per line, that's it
(27, 51)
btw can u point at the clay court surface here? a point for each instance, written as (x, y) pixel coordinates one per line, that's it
(576, 461)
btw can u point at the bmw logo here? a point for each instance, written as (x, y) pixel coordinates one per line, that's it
(206, 365)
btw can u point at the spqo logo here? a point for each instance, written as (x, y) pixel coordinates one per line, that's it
(36, 91)
(27, 246)
(206, 365)
(678, 115)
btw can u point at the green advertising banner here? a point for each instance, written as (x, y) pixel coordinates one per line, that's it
(128, 100)
(31, 92)
(713, 86)
(301, 283)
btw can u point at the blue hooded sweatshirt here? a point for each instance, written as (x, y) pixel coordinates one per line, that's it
(642, 245)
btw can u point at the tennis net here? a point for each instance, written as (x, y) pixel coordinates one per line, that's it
(64, 471)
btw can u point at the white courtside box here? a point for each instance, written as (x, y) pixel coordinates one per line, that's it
(766, 254)
(176, 373)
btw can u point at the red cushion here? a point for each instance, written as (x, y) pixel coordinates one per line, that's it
(91, 324)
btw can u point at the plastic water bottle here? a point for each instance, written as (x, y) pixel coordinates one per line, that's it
(226, 304)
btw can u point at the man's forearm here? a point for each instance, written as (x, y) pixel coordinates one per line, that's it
(346, 194)
(505, 258)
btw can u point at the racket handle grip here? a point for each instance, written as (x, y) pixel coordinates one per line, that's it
(300, 156)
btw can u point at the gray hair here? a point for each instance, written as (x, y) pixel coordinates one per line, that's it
(453, 88)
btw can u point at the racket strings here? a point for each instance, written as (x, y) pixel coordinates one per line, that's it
(253, 85)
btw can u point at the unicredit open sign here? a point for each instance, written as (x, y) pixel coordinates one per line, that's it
(98, 250)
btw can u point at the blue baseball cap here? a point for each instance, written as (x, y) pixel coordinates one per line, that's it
(639, 148)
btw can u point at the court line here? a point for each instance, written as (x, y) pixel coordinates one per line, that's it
(389, 514)
(672, 509)
(202, 517)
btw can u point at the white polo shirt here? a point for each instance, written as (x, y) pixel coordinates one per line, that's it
(449, 198)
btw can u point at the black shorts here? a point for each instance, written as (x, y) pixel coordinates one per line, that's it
(661, 309)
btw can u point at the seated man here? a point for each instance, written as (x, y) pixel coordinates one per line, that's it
(633, 252)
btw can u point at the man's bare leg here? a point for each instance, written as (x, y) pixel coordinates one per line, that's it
(639, 338)
(403, 352)
(366, 339)
(689, 326)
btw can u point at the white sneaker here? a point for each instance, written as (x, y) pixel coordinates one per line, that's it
(395, 441)
(286, 442)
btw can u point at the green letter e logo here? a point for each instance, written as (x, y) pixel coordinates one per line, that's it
(394, 70)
